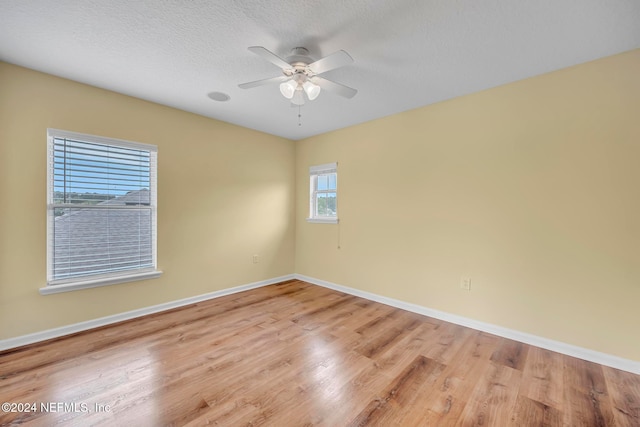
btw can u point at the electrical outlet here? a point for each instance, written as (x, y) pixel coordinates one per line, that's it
(465, 283)
(255, 259)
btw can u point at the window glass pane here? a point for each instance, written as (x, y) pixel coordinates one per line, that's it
(322, 182)
(332, 181)
(326, 204)
(331, 204)
(321, 206)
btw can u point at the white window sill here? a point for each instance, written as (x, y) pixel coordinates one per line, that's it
(67, 286)
(323, 220)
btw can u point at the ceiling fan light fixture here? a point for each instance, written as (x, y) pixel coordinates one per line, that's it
(298, 97)
(312, 90)
(288, 88)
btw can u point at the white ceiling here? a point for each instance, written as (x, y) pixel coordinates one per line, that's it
(408, 53)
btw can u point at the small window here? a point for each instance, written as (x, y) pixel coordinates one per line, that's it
(323, 198)
(101, 205)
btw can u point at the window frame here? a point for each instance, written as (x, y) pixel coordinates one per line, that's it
(94, 280)
(314, 172)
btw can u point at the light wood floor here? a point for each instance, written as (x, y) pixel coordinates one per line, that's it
(295, 354)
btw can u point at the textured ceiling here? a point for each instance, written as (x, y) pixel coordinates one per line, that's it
(408, 53)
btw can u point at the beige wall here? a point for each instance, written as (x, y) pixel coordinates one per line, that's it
(531, 189)
(224, 194)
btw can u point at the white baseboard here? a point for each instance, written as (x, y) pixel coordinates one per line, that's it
(557, 346)
(103, 321)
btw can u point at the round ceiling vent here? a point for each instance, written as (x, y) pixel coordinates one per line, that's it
(219, 96)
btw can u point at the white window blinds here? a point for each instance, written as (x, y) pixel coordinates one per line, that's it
(101, 207)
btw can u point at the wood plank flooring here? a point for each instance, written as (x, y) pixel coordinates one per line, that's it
(294, 354)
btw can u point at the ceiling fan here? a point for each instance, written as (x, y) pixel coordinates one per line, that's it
(301, 74)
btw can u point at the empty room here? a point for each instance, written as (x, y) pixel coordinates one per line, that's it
(296, 213)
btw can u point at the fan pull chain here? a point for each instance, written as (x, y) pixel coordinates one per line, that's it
(299, 116)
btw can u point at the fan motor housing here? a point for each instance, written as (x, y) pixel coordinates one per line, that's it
(299, 58)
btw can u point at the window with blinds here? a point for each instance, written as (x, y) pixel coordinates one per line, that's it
(323, 193)
(101, 209)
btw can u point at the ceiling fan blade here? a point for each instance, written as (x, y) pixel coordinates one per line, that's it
(334, 87)
(262, 82)
(333, 61)
(271, 57)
